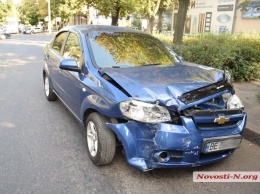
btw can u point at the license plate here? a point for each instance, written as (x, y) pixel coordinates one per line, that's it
(221, 143)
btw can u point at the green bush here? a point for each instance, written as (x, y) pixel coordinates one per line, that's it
(239, 54)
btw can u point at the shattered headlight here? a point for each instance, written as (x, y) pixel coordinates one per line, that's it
(234, 102)
(144, 112)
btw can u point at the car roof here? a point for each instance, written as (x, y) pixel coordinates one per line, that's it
(102, 28)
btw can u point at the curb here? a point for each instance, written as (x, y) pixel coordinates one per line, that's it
(256, 82)
(252, 136)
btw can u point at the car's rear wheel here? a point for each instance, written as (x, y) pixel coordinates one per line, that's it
(48, 91)
(101, 140)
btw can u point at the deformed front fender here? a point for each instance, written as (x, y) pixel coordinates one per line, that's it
(130, 145)
(104, 107)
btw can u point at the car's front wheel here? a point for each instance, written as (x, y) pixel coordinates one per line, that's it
(101, 140)
(48, 91)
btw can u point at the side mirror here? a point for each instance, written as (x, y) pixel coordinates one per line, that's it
(70, 64)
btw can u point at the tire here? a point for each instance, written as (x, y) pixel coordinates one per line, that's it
(48, 91)
(101, 141)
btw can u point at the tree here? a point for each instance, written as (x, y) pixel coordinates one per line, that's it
(3, 12)
(42, 9)
(181, 17)
(164, 5)
(29, 12)
(115, 8)
(11, 9)
(33, 11)
(65, 8)
(7, 9)
(152, 7)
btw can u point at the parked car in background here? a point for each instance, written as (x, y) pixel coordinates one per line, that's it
(21, 28)
(164, 27)
(126, 87)
(4, 33)
(28, 30)
(37, 30)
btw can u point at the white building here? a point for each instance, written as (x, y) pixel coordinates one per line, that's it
(217, 16)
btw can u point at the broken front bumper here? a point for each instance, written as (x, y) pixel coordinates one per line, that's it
(163, 145)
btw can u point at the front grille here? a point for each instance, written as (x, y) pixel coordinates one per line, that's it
(214, 125)
(210, 113)
(206, 118)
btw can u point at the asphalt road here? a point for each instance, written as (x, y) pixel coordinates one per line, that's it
(43, 148)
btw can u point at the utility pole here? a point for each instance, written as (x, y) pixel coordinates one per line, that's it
(49, 16)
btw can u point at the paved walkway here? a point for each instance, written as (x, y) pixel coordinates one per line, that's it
(247, 92)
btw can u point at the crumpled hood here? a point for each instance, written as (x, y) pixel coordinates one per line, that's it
(163, 83)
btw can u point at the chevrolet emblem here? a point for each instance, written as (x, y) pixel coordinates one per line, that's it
(221, 120)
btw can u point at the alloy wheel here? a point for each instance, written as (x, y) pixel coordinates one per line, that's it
(92, 139)
(46, 86)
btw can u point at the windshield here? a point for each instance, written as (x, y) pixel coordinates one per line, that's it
(126, 49)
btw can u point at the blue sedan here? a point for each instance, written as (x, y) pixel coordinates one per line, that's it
(128, 88)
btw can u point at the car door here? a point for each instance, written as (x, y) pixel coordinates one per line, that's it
(71, 82)
(53, 58)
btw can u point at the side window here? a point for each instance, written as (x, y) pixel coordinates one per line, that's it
(72, 49)
(57, 43)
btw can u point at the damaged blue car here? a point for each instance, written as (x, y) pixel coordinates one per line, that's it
(128, 89)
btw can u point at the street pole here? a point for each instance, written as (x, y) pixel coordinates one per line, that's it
(49, 16)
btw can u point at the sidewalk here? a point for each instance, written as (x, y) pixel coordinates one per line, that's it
(247, 92)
